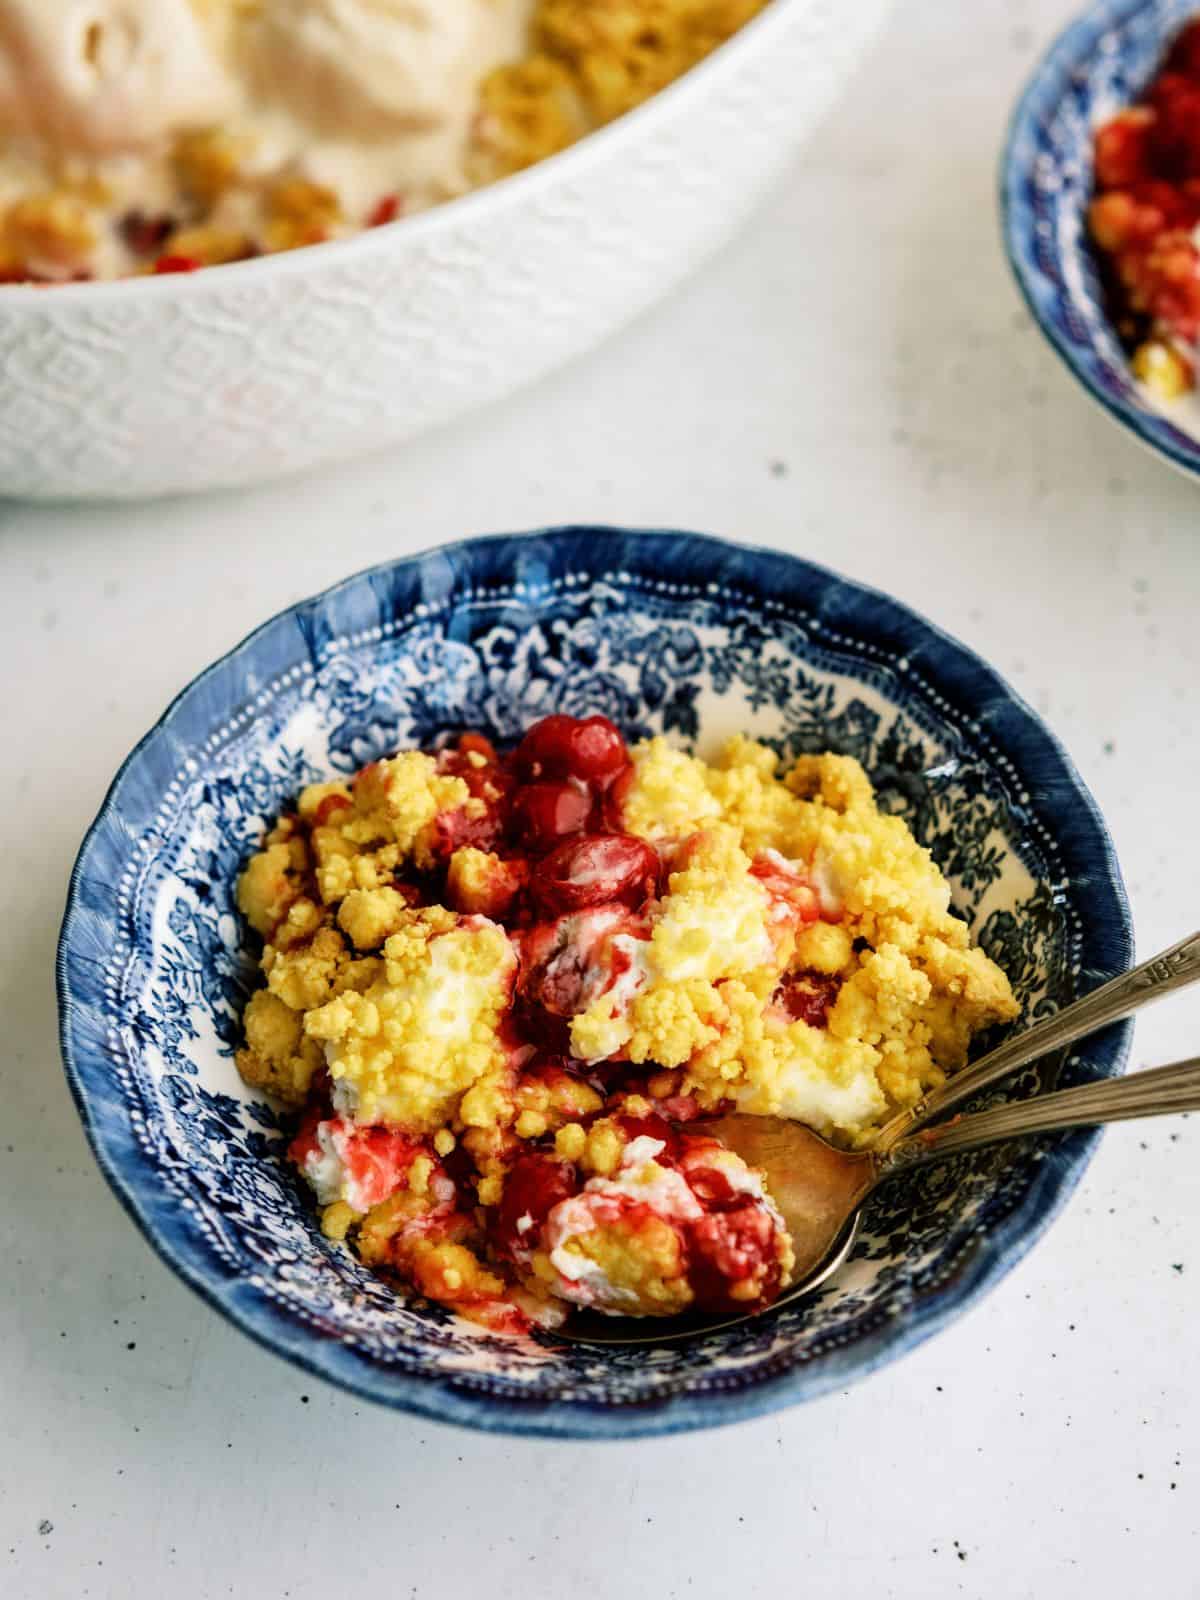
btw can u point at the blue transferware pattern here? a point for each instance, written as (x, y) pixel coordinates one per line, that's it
(664, 632)
(1097, 65)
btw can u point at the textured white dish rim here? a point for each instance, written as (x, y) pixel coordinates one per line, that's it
(184, 285)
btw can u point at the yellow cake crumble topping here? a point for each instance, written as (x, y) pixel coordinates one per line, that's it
(407, 1049)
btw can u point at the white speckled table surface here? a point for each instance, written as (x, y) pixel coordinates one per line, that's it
(854, 380)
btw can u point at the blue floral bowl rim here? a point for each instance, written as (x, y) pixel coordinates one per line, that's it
(132, 1176)
(1069, 47)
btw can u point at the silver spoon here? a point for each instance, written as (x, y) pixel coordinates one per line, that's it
(820, 1190)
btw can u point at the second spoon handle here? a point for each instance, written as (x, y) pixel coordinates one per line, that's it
(1143, 1094)
(1173, 969)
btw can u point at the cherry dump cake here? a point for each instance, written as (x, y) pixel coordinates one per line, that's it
(503, 991)
(162, 136)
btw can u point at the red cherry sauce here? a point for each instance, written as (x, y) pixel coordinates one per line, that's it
(546, 812)
(807, 997)
(728, 1247)
(534, 1186)
(593, 870)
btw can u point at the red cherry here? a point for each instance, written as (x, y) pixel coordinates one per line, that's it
(553, 968)
(593, 870)
(613, 803)
(729, 1247)
(166, 264)
(544, 813)
(808, 996)
(1176, 204)
(534, 1186)
(652, 1126)
(1175, 135)
(706, 1178)
(544, 752)
(598, 752)
(1184, 55)
(387, 210)
(565, 961)
(1122, 148)
(566, 747)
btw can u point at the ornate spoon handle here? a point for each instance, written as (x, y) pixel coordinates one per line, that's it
(1145, 1094)
(1173, 969)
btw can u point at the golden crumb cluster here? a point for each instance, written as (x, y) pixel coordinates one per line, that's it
(406, 1051)
(397, 1002)
(592, 61)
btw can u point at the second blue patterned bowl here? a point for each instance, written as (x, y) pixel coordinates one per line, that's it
(1099, 64)
(665, 632)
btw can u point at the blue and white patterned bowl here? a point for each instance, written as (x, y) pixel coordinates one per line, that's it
(664, 632)
(1097, 65)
